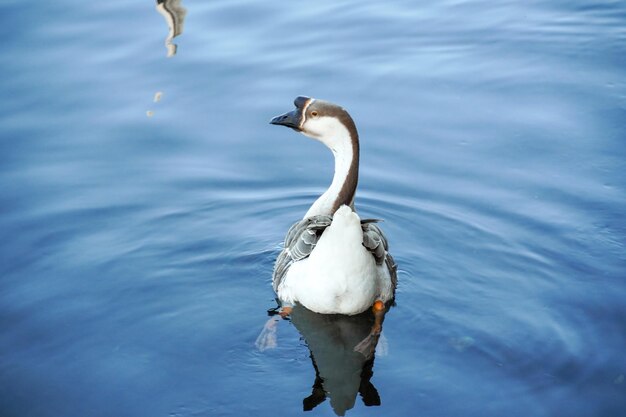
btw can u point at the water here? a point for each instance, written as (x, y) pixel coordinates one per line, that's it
(137, 251)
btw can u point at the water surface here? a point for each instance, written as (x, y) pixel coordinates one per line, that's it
(137, 251)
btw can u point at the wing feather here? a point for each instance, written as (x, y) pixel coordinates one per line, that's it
(299, 243)
(375, 241)
(304, 234)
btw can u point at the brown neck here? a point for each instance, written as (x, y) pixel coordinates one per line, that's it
(348, 189)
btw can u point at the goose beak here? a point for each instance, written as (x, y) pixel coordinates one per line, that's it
(291, 119)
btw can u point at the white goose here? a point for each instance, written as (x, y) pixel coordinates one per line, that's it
(333, 262)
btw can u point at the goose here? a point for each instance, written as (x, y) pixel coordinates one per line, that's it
(333, 262)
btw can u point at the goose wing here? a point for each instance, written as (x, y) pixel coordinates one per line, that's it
(303, 235)
(299, 243)
(375, 241)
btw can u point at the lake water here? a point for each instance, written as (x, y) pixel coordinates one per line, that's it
(139, 236)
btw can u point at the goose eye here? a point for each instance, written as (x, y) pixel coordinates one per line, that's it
(314, 113)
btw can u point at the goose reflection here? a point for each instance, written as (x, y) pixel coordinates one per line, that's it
(174, 14)
(342, 352)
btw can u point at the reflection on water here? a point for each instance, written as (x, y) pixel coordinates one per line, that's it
(341, 370)
(174, 14)
(342, 352)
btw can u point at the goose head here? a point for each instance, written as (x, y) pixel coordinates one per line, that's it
(333, 126)
(321, 120)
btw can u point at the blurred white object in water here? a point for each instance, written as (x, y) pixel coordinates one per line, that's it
(174, 15)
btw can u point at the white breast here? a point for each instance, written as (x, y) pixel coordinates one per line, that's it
(340, 275)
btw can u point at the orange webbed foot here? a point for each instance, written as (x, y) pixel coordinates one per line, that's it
(378, 306)
(285, 312)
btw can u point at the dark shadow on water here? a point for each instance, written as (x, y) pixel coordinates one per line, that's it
(342, 352)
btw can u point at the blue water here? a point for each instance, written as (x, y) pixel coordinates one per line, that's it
(137, 250)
